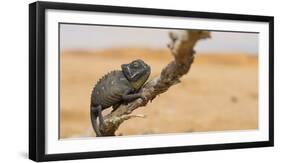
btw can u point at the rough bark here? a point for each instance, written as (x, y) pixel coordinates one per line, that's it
(181, 47)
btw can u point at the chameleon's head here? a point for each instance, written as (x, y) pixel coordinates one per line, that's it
(137, 72)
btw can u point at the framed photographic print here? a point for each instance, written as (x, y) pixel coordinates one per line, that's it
(110, 81)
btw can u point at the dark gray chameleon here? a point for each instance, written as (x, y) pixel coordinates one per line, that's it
(117, 87)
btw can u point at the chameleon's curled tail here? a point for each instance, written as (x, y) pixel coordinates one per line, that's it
(94, 116)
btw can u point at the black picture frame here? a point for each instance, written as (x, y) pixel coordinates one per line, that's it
(37, 78)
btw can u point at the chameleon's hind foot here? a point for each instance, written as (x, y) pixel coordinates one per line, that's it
(101, 120)
(102, 125)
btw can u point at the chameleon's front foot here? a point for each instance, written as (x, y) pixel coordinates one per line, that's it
(144, 100)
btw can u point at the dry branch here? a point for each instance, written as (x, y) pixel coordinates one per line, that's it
(181, 47)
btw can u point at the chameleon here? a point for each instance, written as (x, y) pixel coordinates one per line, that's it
(117, 87)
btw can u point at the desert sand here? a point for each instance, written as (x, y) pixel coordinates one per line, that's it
(219, 93)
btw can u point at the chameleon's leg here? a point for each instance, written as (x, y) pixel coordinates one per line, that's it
(131, 97)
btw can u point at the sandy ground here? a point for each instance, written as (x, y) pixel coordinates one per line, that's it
(219, 93)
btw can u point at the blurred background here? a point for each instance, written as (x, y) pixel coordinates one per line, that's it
(219, 93)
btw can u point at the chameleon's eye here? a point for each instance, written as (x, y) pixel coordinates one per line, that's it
(136, 64)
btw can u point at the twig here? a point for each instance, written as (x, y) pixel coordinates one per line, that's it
(181, 47)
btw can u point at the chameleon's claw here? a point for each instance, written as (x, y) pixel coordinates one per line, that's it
(144, 100)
